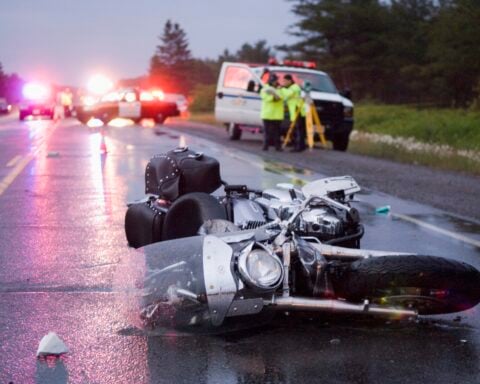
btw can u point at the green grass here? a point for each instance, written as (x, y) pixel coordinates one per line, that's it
(459, 129)
(205, 117)
(450, 162)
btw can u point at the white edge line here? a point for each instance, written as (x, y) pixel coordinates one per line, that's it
(434, 228)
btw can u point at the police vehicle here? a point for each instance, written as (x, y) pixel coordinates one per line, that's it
(37, 101)
(238, 103)
(129, 103)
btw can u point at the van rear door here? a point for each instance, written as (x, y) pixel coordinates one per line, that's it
(237, 99)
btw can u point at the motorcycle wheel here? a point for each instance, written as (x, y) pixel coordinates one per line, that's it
(431, 285)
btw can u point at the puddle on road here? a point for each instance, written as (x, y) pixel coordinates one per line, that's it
(282, 168)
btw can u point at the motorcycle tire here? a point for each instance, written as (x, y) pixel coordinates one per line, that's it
(429, 284)
(189, 212)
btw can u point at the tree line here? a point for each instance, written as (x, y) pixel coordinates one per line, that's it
(388, 51)
(395, 51)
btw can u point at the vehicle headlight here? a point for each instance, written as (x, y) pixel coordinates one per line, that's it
(348, 112)
(261, 269)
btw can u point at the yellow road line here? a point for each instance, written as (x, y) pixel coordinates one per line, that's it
(14, 161)
(21, 164)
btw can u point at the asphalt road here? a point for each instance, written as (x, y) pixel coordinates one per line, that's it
(454, 192)
(64, 258)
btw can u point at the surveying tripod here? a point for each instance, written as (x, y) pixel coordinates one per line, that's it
(312, 122)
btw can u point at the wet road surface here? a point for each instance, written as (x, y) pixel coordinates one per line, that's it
(62, 244)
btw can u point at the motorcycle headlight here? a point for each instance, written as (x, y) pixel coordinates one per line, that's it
(261, 269)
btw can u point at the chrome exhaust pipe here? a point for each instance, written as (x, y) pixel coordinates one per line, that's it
(337, 306)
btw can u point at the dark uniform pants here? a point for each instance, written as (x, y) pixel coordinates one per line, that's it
(272, 133)
(300, 134)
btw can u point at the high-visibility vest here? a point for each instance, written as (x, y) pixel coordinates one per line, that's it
(292, 95)
(271, 109)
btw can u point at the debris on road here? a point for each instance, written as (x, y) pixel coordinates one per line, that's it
(53, 154)
(51, 344)
(383, 210)
(335, 341)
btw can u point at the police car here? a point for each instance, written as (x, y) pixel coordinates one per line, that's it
(37, 101)
(238, 103)
(129, 103)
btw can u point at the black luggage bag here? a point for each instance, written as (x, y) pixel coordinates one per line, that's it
(144, 223)
(181, 171)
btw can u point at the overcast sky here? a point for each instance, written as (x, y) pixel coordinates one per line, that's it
(65, 41)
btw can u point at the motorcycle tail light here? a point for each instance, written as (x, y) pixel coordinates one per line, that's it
(261, 269)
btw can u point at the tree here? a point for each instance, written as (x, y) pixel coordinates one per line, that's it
(348, 38)
(170, 64)
(258, 52)
(454, 52)
(3, 80)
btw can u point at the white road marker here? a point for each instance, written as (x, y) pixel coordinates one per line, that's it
(14, 161)
(410, 219)
(21, 164)
(434, 228)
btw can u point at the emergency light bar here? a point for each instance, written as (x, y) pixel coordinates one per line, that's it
(293, 63)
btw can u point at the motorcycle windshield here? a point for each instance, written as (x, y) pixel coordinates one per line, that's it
(173, 293)
(188, 286)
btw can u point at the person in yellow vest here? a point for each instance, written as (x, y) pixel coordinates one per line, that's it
(272, 112)
(295, 104)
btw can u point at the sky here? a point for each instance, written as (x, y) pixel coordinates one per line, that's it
(66, 41)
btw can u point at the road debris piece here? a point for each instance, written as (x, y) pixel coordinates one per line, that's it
(383, 210)
(335, 341)
(53, 154)
(51, 344)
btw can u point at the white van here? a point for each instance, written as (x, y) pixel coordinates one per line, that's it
(237, 102)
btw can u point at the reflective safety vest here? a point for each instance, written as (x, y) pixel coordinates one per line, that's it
(292, 95)
(271, 109)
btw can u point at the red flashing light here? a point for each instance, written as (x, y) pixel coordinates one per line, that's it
(293, 63)
(36, 91)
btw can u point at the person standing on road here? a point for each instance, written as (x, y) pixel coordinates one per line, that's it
(272, 112)
(292, 95)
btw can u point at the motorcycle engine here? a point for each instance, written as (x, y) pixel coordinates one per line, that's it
(320, 222)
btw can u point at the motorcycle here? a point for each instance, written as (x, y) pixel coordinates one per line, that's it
(229, 273)
(182, 203)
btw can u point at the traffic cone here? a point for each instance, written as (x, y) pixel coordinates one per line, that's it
(103, 145)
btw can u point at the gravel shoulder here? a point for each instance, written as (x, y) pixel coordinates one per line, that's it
(456, 193)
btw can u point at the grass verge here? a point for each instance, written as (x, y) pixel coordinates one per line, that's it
(406, 134)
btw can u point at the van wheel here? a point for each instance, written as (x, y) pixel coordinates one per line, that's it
(234, 131)
(340, 141)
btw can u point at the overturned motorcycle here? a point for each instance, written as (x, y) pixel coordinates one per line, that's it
(241, 265)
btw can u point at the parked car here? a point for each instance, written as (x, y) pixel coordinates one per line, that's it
(5, 108)
(130, 103)
(37, 101)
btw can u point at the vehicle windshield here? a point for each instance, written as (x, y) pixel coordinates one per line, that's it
(319, 82)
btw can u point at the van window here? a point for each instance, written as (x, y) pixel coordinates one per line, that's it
(237, 77)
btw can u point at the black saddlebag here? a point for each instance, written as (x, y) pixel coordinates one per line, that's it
(181, 171)
(144, 223)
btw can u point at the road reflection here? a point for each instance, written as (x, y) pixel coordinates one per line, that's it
(302, 351)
